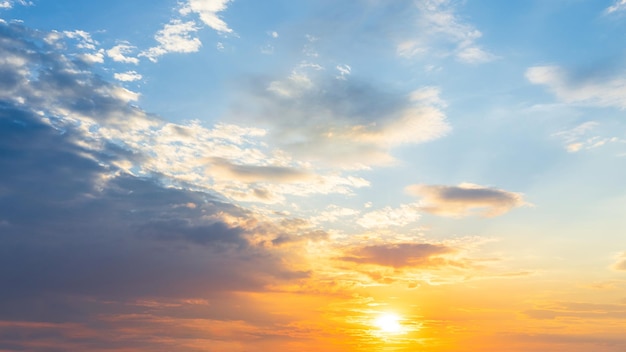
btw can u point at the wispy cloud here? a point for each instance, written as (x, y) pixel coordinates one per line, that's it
(588, 90)
(580, 137)
(618, 5)
(440, 31)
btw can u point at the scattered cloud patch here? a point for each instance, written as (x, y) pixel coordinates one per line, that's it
(579, 138)
(390, 217)
(344, 71)
(119, 53)
(441, 32)
(8, 4)
(128, 76)
(175, 37)
(618, 6)
(465, 199)
(594, 90)
(208, 10)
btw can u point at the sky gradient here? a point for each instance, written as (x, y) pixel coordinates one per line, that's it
(360, 175)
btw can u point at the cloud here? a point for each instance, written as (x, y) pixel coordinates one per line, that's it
(254, 173)
(91, 223)
(440, 31)
(234, 161)
(465, 199)
(128, 76)
(208, 11)
(342, 123)
(594, 90)
(8, 4)
(400, 255)
(619, 5)
(620, 264)
(577, 138)
(388, 216)
(175, 37)
(119, 53)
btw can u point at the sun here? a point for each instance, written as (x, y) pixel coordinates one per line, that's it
(388, 323)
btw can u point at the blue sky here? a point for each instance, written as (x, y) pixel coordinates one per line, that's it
(274, 175)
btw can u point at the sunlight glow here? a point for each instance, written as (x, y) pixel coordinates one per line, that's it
(388, 323)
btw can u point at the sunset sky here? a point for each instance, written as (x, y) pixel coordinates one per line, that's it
(313, 175)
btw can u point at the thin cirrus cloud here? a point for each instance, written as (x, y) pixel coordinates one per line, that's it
(618, 6)
(595, 91)
(465, 199)
(439, 31)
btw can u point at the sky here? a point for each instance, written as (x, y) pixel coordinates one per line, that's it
(312, 175)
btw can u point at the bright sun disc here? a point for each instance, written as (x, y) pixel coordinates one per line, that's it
(388, 322)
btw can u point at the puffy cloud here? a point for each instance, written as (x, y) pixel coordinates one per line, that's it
(119, 53)
(175, 37)
(590, 90)
(401, 255)
(465, 199)
(208, 11)
(439, 29)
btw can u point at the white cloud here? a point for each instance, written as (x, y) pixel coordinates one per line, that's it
(440, 31)
(93, 58)
(597, 91)
(388, 216)
(8, 4)
(208, 11)
(119, 53)
(619, 5)
(578, 138)
(175, 37)
(128, 76)
(465, 199)
(344, 70)
(84, 39)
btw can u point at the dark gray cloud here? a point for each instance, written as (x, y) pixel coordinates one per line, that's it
(77, 233)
